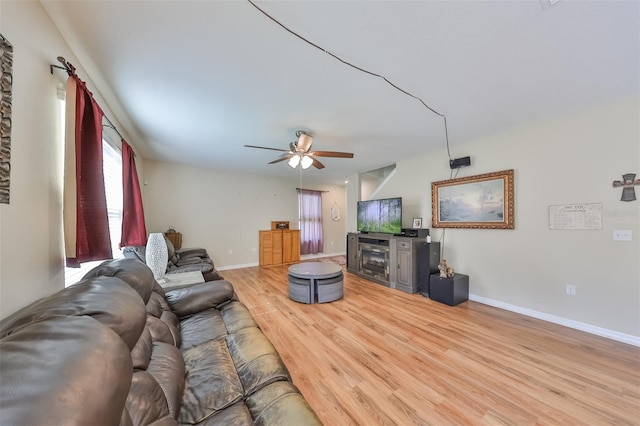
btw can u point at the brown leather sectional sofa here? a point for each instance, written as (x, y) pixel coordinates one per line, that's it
(115, 348)
(183, 260)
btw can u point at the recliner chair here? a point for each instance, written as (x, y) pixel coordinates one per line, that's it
(183, 260)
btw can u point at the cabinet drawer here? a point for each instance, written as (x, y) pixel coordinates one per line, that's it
(404, 244)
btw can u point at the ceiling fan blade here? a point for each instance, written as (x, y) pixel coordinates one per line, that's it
(332, 154)
(266, 147)
(282, 157)
(304, 142)
(317, 164)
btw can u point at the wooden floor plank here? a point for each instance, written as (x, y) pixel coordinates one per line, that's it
(383, 357)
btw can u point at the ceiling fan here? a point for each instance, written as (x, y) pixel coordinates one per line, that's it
(299, 152)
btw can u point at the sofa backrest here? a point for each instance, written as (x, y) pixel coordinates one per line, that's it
(158, 379)
(103, 351)
(66, 359)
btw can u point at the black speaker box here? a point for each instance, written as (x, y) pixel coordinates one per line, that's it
(460, 162)
(428, 257)
(411, 232)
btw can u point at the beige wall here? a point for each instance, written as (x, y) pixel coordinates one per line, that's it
(31, 245)
(31, 240)
(223, 211)
(573, 159)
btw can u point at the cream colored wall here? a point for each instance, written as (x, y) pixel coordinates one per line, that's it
(31, 255)
(223, 211)
(31, 244)
(573, 159)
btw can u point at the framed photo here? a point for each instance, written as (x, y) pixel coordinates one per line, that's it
(481, 201)
(417, 223)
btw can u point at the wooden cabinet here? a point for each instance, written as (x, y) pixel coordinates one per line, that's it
(406, 278)
(415, 260)
(279, 246)
(290, 246)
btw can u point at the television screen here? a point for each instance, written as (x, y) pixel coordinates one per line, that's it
(380, 215)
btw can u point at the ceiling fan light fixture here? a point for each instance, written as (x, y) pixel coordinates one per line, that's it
(306, 162)
(304, 141)
(294, 161)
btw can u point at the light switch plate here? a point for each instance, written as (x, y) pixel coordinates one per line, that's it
(622, 235)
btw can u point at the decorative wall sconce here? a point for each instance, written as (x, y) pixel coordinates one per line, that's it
(627, 183)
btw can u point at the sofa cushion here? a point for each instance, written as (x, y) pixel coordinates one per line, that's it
(236, 316)
(141, 352)
(281, 403)
(109, 300)
(212, 383)
(202, 327)
(136, 274)
(186, 253)
(73, 370)
(188, 300)
(255, 359)
(146, 402)
(237, 414)
(167, 367)
(158, 381)
(161, 332)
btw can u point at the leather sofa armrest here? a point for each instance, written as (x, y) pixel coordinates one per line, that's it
(189, 300)
(193, 261)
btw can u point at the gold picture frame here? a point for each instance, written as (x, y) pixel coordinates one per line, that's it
(483, 201)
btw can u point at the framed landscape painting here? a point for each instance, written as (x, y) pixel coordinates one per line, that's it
(481, 201)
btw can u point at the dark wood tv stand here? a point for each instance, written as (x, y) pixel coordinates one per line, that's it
(394, 261)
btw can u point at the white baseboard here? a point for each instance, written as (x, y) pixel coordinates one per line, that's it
(305, 257)
(588, 328)
(245, 265)
(320, 255)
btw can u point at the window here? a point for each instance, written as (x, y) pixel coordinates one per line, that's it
(310, 211)
(112, 169)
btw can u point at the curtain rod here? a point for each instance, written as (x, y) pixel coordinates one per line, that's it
(303, 189)
(71, 70)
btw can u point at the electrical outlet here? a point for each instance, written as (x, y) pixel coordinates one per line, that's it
(230, 251)
(622, 235)
(571, 289)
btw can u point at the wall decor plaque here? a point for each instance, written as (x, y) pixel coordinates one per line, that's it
(575, 217)
(6, 83)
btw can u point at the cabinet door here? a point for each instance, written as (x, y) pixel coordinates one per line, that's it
(277, 247)
(290, 246)
(270, 248)
(404, 267)
(295, 245)
(266, 248)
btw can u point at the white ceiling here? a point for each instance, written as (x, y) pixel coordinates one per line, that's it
(194, 81)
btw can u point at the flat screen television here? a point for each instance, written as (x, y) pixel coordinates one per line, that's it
(384, 216)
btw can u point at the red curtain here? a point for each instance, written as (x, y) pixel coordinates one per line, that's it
(311, 232)
(91, 240)
(134, 232)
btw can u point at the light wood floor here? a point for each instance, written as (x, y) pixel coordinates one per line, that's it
(381, 356)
